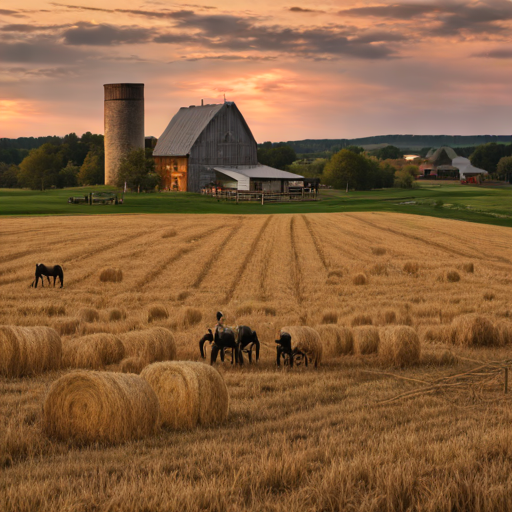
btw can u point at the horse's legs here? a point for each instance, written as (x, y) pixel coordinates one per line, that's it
(215, 351)
(61, 280)
(222, 354)
(279, 351)
(54, 280)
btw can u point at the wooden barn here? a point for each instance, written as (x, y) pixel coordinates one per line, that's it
(212, 144)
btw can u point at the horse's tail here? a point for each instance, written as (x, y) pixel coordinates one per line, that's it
(202, 341)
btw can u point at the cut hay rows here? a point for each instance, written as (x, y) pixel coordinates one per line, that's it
(306, 340)
(156, 344)
(94, 351)
(111, 275)
(316, 242)
(399, 346)
(189, 393)
(245, 263)
(336, 340)
(366, 339)
(295, 264)
(29, 350)
(87, 407)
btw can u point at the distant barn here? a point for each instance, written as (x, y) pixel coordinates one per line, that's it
(212, 144)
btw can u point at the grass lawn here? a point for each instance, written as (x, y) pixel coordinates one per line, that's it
(489, 205)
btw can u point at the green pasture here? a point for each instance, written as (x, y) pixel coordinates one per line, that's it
(484, 204)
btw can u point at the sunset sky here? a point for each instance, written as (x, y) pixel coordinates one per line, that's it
(296, 69)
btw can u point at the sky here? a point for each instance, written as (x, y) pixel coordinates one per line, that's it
(295, 69)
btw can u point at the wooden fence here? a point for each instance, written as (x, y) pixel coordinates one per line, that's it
(264, 197)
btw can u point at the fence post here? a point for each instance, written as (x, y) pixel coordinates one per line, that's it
(262, 198)
(237, 197)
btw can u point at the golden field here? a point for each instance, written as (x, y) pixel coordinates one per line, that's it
(300, 439)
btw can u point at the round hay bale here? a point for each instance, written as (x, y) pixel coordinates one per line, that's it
(366, 339)
(468, 267)
(132, 365)
(390, 317)
(189, 393)
(336, 340)
(503, 332)
(360, 279)
(157, 312)
(111, 275)
(116, 315)
(89, 315)
(213, 395)
(399, 346)
(88, 406)
(306, 340)
(67, 326)
(29, 350)
(411, 268)
(329, 317)
(155, 344)
(361, 320)
(452, 276)
(473, 329)
(190, 316)
(94, 351)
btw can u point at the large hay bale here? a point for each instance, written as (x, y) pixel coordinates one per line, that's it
(503, 332)
(336, 340)
(452, 276)
(361, 320)
(190, 316)
(88, 406)
(399, 346)
(155, 344)
(89, 315)
(366, 339)
(132, 365)
(111, 275)
(329, 317)
(189, 393)
(473, 329)
(157, 312)
(306, 340)
(29, 350)
(360, 279)
(94, 351)
(116, 315)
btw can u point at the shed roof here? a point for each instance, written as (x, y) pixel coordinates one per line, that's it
(262, 172)
(184, 129)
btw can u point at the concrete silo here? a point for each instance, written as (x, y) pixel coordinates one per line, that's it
(124, 124)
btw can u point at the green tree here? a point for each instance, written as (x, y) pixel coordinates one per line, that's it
(389, 152)
(403, 179)
(40, 169)
(8, 175)
(312, 169)
(68, 175)
(488, 155)
(504, 167)
(355, 149)
(348, 169)
(278, 157)
(92, 171)
(411, 169)
(137, 170)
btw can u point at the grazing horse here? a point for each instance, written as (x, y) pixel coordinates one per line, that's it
(42, 270)
(284, 350)
(224, 338)
(247, 339)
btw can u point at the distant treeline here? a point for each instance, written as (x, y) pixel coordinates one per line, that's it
(400, 141)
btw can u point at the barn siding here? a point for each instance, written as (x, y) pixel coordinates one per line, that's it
(226, 141)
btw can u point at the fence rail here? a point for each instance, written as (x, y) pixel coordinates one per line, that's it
(264, 197)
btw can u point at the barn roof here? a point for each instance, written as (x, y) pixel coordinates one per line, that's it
(184, 129)
(450, 153)
(262, 172)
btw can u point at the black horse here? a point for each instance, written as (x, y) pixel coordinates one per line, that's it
(247, 339)
(42, 271)
(284, 350)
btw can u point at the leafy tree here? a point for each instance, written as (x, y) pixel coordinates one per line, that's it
(504, 167)
(411, 169)
(385, 175)
(138, 171)
(403, 179)
(312, 169)
(92, 171)
(391, 152)
(355, 149)
(278, 157)
(68, 175)
(8, 175)
(40, 169)
(488, 155)
(347, 168)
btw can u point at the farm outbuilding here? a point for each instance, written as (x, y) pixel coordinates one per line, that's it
(212, 146)
(444, 163)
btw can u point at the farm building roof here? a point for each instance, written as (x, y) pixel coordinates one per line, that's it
(437, 157)
(261, 172)
(465, 167)
(184, 129)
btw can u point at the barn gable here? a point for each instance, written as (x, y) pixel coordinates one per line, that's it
(207, 136)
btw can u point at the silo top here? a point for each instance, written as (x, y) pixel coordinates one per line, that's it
(124, 92)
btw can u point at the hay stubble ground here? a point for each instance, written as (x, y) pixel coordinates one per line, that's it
(294, 440)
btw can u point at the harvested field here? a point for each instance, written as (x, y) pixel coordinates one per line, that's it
(295, 439)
